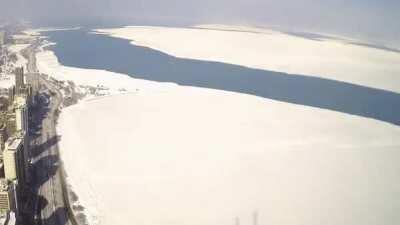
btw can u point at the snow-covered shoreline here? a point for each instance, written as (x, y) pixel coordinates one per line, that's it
(114, 82)
(167, 154)
(37, 32)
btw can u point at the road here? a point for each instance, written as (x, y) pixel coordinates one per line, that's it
(47, 178)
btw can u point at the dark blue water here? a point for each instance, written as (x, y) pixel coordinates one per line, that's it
(84, 50)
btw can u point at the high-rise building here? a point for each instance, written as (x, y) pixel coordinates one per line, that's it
(19, 80)
(21, 127)
(2, 38)
(8, 200)
(13, 156)
(21, 113)
(32, 80)
(3, 136)
(11, 93)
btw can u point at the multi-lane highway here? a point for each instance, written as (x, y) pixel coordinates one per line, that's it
(47, 178)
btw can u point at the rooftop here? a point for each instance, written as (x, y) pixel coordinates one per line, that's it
(20, 101)
(13, 144)
(3, 184)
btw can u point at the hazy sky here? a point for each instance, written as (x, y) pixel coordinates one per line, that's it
(376, 19)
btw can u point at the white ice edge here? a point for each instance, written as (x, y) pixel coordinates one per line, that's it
(274, 51)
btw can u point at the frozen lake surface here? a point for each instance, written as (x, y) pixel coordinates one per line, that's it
(165, 154)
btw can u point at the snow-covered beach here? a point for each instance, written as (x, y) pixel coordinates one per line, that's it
(168, 154)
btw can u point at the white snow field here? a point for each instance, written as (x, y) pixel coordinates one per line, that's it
(165, 154)
(271, 50)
